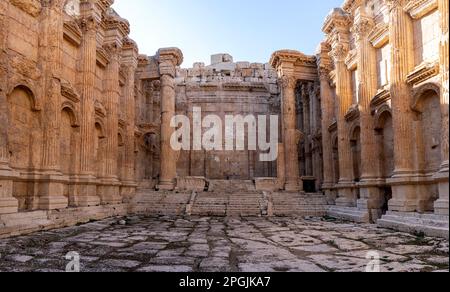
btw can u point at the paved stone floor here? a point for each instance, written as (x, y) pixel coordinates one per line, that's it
(211, 244)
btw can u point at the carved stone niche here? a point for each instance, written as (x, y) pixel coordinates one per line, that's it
(32, 7)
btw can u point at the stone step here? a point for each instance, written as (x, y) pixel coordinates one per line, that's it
(349, 214)
(429, 224)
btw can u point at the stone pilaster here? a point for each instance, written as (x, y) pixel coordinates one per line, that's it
(168, 60)
(442, 205)
(307, 131)
(327, 108)
(109, 190)
(404, 187)
(8, 204)
(291, 136)
(337, 28)
(85, 191)
(129, 60)
(51, 189)
(346, 196)
(371, 196)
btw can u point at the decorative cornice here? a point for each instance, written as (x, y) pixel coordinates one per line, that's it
(379, 36)
(333, 127)
(336, 19)
(352, 60)
(422, 73)
(291, 56)
(350, 6)
(72, 33)
(100, 110)
(32, 7)
(69, 92)
(102, 57)
(113, 22)
(382, 96)
(244, 86)
(419, 8)
(352, 113)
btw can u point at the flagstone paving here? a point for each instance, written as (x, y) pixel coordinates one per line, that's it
(144, 244)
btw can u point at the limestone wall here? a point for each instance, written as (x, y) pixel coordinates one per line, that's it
(227, 88)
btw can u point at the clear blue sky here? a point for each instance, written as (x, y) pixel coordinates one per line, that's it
(249, 30)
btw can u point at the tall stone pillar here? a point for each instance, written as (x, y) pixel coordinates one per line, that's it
(8, 204)
(442, 205)
(401, 37)
(291, 136)
(371, 196)
(130, 61)
(85, 191)
(50, 190)
(346, 196)
(337, 28)
(109, 190)
(327, 108)
(281, 167)
(307, 130)
(168, 59)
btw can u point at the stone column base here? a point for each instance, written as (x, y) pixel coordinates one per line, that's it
(441, 206)
(128, 191)
(293, 185)
(8, 204)
(372, 199)
(330, 193)
(346, 195)
(166, 186)
(51, 192)
(83, 193)
(109, 192)
(411, 194)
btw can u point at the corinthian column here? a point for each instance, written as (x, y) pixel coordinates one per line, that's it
(401, 37)
(129, 60)
(168, 60)
(371, 197)
(85, 191)
(337, 28)
(50, 49)
(8, 204)
(442, 205)
(327, 107)
(291, 136)
(109, 191)
(346, 196)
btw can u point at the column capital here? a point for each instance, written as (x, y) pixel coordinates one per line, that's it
(363, 26)
(394, 4)
(288, 82)
(168, 60)
(89, 24)
(339, 52)
(130, 53)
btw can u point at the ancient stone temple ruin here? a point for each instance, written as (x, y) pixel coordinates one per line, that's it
(86, 121)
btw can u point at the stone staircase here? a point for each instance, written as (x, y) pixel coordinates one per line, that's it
(228, 199)
(428, 224)
(230, 186)
(297, 204)
(223, 204)
(150, 202)
(349, 214)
